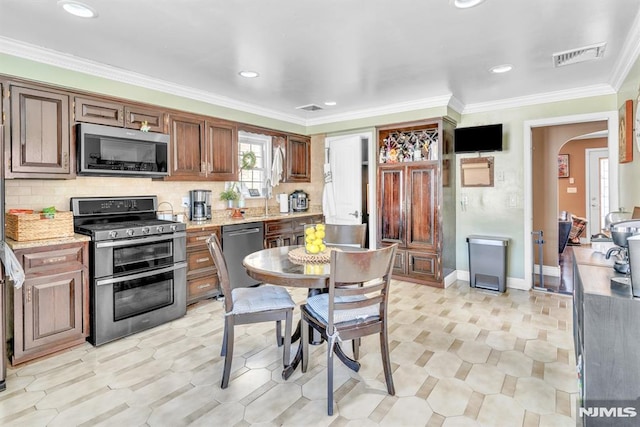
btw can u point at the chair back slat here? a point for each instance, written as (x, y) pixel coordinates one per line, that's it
(345, 234)
(369, 271)
(213, 243)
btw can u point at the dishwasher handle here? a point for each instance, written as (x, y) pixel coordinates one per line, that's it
(240, 232)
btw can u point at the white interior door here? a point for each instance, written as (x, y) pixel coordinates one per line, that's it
(597, 189)
(345, 160)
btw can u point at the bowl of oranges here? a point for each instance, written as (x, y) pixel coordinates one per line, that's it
(314, 239)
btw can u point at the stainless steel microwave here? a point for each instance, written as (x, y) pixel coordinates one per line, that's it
(112, 151)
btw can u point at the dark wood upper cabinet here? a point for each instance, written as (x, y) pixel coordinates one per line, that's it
(134, 117)
(188, 148)
(104, 112)
(222, 153)
(40, 145)
(298, 159)
(97, 111)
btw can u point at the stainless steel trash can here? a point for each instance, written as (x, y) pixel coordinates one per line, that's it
(488, 262)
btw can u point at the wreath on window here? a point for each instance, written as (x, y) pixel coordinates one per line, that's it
(248, 160)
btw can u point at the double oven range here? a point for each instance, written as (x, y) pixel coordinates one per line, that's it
(137, 265)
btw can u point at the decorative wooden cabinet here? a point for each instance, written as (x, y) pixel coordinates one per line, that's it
(202, 277)
(40, 144)
(298, 159)
(287, 232)
(92, 110)
(51, 309)
(411, 201)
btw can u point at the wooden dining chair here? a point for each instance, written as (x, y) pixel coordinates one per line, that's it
(345, 234)
(242, 306)
(349, 312)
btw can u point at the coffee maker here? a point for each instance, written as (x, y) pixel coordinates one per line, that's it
(634, 263)
(620, 233)
(200, 205)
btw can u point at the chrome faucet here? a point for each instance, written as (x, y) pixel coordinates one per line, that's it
(267, 195)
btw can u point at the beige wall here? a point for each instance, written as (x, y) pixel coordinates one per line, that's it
(575, 203)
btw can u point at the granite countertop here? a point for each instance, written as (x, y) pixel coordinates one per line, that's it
(219, 221)
(13, 244)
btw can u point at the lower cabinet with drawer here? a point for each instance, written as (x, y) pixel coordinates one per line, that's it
(287, 232)
(202, 275)
(51, 309)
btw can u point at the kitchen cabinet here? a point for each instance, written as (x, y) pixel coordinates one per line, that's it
(202, 274)
(297, 159)
(411, 206)
(203, 149)
(188, 148)
(222, 151)
(40, 145)
(51, 309)
(287, 232)
(105, 112)
(606, 338)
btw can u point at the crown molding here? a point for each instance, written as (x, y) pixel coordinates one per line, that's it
(541, 98)
(631, 51)
(72, 63)
(629, 55)
(401, 107)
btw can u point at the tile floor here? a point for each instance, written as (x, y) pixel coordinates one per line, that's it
(460, 357)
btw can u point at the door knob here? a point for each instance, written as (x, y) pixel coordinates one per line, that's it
(356, 214)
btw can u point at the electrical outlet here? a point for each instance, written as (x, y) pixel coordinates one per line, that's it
(500, 176)
(185, 202)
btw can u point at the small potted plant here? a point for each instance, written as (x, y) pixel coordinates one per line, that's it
(230, 196)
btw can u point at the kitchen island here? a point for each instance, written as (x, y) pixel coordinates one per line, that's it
(606, 327)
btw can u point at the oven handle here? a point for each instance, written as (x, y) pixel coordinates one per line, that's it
(130, 242)
(176, 266)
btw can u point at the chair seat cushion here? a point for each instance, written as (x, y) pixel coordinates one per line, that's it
(319, 305)
(261, 298)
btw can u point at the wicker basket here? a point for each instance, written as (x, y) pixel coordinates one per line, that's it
(25, 227)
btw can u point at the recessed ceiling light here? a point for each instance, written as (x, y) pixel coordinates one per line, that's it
(249, 74)
(78, 9)
(466, 4)
(330, 103)
(504, 68)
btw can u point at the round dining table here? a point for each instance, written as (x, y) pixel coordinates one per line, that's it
(275, 267)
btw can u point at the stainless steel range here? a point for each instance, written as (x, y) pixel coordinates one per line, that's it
(137, 265)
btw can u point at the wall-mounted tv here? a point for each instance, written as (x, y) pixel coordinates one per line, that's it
(478, 138)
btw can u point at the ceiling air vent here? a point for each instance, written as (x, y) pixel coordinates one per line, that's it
(582, 54)
(310, 107)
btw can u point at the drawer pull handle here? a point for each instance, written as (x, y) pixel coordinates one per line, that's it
(202, 260)
(206, 285)
(202, 238)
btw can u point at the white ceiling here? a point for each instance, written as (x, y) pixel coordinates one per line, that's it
(369, 56)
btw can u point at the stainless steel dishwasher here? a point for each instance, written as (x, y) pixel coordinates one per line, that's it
(238, 241)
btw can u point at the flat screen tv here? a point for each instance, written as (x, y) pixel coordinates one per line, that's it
(478, 138)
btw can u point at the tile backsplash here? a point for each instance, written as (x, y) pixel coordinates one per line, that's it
(37, 194)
